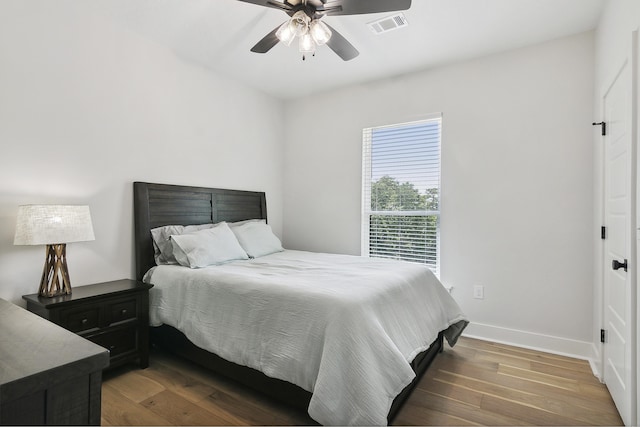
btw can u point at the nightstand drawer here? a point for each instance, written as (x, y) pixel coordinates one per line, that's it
(122, 310)
(80, 319)
(117, 341)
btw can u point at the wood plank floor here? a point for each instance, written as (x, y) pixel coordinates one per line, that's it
(475, 383)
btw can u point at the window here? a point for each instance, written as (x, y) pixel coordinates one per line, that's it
(401, 192)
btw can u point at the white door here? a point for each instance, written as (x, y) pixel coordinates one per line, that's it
(620, 244)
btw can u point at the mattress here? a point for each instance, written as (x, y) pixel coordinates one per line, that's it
(344, 328)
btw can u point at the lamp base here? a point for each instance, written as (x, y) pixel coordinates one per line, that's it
(55, 276)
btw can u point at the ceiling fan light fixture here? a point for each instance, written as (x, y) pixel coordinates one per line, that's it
(320, 32)
(299, 23)
(306, 44)
(285, 34)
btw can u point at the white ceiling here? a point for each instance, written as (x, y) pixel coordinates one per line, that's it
(218, 35)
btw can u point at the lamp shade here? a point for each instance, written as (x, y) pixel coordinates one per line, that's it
(320, 32)
(306, 44)
(53, 224)
(285, 34)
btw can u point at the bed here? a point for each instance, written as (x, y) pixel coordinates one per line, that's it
(356, 349)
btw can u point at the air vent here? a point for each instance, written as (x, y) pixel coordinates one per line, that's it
(389, 23)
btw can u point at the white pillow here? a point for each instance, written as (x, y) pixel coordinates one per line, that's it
(162, 247)
(246, 221)
(210, 246)
(257, 239)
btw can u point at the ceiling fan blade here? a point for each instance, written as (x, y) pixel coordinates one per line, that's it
(341, 46)
(351, 7)
(267, 42)
(285, 6)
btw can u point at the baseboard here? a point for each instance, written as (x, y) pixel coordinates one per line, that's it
(596, 361)
(551, 344)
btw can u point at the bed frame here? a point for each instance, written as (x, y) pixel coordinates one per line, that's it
(157, 205)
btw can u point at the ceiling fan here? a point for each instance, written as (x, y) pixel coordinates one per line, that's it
(306, 23)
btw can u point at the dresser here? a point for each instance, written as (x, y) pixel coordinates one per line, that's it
(48, 375)
(113, 314)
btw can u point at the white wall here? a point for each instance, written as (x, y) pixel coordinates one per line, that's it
(87, 108)
(517, 179)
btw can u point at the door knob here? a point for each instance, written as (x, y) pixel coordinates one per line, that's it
(616, 265)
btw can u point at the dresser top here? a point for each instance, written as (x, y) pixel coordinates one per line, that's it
(83, 293)
(32, 347)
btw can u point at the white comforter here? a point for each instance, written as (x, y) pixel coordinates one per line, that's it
(342, 327)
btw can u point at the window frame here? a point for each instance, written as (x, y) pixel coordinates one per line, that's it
(367, 170)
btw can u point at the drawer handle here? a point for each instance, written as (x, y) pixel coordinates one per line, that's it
(84, 321)
(124, 311)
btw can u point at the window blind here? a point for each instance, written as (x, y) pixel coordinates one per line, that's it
(401, 191)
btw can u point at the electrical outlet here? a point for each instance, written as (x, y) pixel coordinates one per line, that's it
(478, 292)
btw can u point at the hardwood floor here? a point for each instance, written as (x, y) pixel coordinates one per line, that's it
(475, 383)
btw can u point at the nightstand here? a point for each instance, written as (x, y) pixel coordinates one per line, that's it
(114, 315)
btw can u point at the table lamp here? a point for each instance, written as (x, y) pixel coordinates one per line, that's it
(54, 226)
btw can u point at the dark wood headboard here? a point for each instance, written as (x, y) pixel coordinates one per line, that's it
(155, 205)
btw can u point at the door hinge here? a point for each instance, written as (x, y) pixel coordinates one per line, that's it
(604, 127)
(603, 335)
(603, 232)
